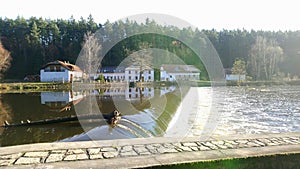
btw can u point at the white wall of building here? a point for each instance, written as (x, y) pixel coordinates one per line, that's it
(132, 74)
(54, 76)
(148, 75)
(232, 77)
(114, 76)
(64, 76)
(164, 76)
(77, 76)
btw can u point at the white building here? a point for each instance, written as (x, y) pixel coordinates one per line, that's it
(59, 71)
(133, 74)
(234, 77)
(172, 72)
(112, 73)
(231, 77)
(129, 74)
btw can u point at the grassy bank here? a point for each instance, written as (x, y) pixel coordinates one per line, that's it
(32, 86)
(55, 86)
(266, 162)
(19, 87)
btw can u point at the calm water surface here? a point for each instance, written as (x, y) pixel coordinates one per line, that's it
(151, 112)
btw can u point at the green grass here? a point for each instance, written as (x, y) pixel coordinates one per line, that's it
(266, 162)
(32, 86)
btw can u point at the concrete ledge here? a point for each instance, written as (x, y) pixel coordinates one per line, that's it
(145, 152)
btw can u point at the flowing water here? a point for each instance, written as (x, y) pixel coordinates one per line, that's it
(150, 112)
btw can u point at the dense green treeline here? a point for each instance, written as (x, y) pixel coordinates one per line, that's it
(36, 41)
(232, 44)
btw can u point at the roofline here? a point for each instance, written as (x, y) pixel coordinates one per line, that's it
(64, 64)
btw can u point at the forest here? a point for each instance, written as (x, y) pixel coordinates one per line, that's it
(35, 41)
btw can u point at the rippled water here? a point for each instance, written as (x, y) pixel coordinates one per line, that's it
(149, 112)
(248, 110)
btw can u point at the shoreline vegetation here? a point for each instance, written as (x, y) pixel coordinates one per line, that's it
(259, 162)
(19, 87)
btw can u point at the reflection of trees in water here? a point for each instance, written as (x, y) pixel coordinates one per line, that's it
(173, 101)
(5, 114)
(19, 107)
(147, 118)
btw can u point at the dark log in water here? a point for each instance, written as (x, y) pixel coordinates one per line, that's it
(110, 118)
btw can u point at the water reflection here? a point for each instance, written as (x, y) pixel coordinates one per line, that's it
(142, 115)
(5, 114)
(150, 112)
(27, 106)
(61, 101)
(138, 103)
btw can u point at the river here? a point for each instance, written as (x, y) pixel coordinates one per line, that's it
(151, 112)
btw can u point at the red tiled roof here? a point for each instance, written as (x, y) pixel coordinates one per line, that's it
(66, 65)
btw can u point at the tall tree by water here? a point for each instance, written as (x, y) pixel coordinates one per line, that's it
(90, 55)
(265, 55)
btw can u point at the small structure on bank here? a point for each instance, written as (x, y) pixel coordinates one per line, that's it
(173, 72)
(233, 77)
(59, 71)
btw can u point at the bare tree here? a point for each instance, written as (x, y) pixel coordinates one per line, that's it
(275, 54)
(90, 55)
(256, 56)
(264, 58)
(5, 59)
(142, 58)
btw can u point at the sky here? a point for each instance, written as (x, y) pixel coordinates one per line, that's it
(271, 15)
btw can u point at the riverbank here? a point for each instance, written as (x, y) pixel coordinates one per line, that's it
(19, 87)
(270, 161)
(147, 152)
(262, 83)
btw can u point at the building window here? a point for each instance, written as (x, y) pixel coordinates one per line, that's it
(149, 77)
(129, 72)
(58, 68)
(149, 71)
(51, 68)
(136, 78)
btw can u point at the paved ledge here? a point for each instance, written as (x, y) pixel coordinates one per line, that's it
(145, 152)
